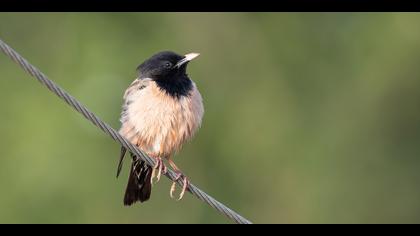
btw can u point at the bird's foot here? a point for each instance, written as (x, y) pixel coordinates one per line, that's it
(185, 185)
(160, 168)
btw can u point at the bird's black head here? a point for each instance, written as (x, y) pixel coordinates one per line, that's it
(169, 71)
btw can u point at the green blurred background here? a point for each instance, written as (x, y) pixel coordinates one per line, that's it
(310, 117)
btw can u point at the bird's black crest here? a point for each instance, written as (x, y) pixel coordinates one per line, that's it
(171, 79)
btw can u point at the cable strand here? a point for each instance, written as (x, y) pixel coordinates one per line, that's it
(75, 104)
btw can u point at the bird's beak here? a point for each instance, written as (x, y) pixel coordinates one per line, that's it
(188, 57)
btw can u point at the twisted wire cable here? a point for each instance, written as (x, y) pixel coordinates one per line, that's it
(74, 103)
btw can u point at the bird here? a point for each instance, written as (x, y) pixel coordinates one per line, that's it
(162, 110)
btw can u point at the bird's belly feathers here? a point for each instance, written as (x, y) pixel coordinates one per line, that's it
(159, 123)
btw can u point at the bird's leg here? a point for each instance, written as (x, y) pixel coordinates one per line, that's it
(179, 175)
(160, 168)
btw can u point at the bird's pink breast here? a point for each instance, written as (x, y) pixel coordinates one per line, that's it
(159, 123)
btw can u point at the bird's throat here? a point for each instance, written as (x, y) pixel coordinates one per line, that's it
(176, 87)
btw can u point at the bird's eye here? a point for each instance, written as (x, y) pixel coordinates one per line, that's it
(168, 65)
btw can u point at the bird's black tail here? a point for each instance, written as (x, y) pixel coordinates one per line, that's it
(139, 186)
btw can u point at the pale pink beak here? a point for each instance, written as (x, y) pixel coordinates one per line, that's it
(188, 57)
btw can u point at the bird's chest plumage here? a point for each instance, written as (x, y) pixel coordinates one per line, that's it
(158, 122)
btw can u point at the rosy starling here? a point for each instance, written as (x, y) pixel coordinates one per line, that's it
(162, 110)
